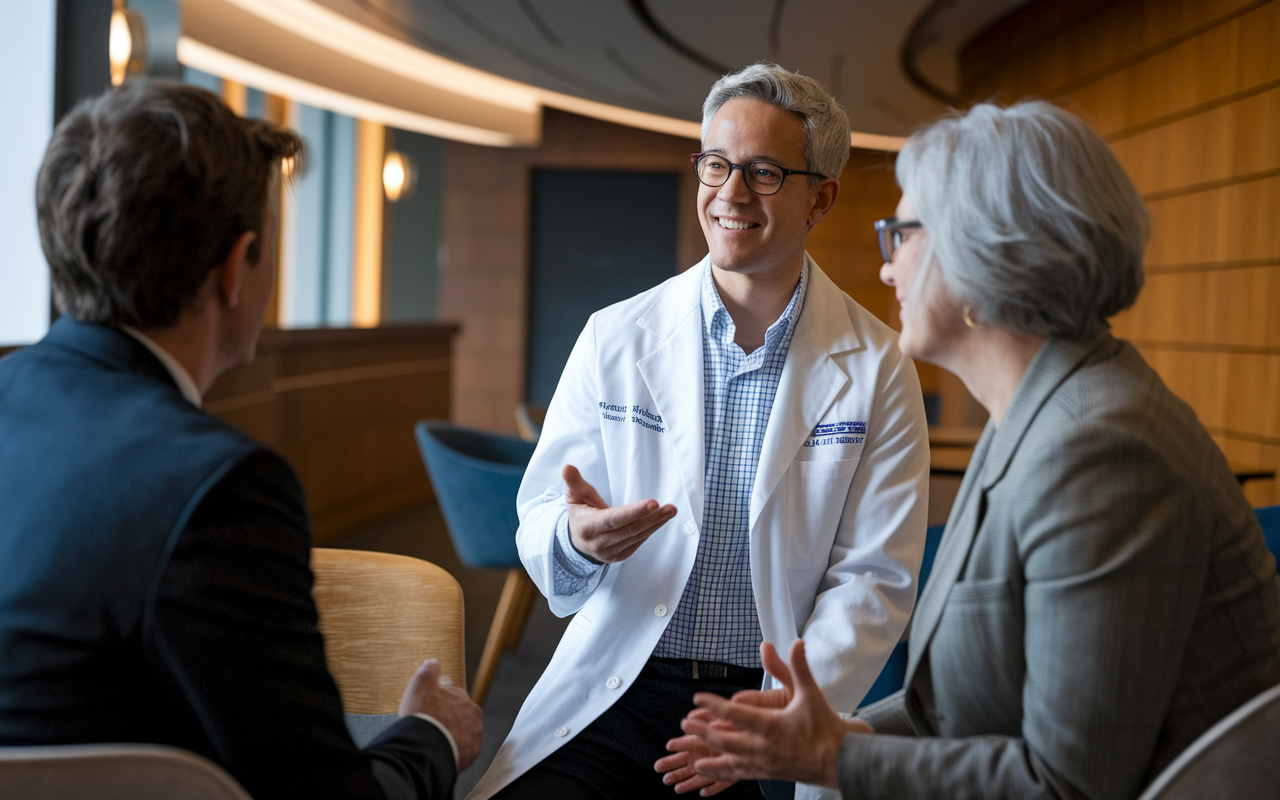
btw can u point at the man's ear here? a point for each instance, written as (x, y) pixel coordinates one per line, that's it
(823, 200)
(233, 269)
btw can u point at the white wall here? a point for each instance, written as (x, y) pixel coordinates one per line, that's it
(27, 59)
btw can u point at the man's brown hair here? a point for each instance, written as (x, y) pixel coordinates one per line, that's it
(142, 193)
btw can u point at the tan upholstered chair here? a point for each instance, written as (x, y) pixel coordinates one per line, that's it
(382, 615)
(1235, 758)
(112, 772)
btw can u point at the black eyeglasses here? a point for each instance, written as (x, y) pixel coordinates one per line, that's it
(762, 177)
(889, 231)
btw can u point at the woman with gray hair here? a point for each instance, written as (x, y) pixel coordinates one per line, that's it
(1103, 593)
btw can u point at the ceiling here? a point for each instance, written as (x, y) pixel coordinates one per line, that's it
(661, 56)
(481, 70)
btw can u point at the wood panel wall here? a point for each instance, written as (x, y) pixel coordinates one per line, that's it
(844, 245)
(1187, 92)
(340, 405)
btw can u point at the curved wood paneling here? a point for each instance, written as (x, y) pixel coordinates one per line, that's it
(1188, 94)
(340, 404)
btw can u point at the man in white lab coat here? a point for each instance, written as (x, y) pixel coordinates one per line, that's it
(738, 454)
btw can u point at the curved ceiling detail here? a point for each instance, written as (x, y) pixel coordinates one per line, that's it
(641, 10)
(481, 70)
(931, 54)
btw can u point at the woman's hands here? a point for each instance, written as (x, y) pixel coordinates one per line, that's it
(789, 734)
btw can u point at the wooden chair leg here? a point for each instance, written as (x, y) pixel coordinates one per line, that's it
(520, 614)
(499, 631)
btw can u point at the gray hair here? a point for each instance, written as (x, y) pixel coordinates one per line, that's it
(826, 127)
(1031, 219)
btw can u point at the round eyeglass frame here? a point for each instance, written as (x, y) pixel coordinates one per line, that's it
(889, 232)
(697, 158)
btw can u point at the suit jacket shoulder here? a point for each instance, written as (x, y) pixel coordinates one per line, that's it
(155, 583)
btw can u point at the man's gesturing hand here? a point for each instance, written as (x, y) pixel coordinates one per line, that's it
(605, 534)
(428, 693)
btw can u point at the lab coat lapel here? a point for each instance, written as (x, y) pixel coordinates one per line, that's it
(673, 374)
(810, 382)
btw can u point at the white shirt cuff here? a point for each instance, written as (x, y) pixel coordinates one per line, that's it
(452, 744)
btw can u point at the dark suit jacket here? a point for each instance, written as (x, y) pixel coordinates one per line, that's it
(155, 584)
(1101, 597)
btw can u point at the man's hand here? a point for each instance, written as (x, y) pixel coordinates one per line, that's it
(428, 693)
(678, 769)
(798, 742)
(605, 534)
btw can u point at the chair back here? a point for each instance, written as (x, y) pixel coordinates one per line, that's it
(382, 615)
(113, 772)
(476, 476)
(1235, 758)
(1269, 519)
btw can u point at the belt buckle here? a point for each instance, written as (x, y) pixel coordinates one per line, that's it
(709, 669)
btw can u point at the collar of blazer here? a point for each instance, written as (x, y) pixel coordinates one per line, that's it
(110, 347)
(1056, 361)
(811, 379)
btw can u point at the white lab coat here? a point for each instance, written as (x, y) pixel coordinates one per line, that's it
(837, 519)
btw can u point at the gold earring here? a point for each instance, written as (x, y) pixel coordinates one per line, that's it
(968, 320)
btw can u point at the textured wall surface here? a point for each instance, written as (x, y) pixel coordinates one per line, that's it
(1188, 95)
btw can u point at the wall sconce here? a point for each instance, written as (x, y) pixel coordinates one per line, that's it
(399, 176)
(127, 48)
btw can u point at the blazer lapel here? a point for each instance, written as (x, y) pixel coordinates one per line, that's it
(953, 552)
(1056, 360)
(811, 381)
(673, 374)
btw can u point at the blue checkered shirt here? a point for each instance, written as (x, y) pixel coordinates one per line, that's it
(716, 618)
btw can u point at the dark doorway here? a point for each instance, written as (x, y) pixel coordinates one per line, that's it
(597, 238)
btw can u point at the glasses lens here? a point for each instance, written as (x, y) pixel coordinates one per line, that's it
(764, 177)
(886, 237)
(713, 170)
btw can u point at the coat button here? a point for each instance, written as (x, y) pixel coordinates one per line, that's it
(690, 528)
(614, 682)
(561, 731)
(660, 610)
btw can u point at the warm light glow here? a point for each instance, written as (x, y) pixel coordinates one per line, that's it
(366, 245)
(286, 167)
(126, 43)
(397, 176)
(120, 48)
(225, 65)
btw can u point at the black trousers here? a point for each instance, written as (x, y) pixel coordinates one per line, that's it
(612, 758)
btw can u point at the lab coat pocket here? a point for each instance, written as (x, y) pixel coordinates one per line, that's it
(817, 491)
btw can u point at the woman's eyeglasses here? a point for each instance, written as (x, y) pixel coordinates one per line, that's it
(889, 231)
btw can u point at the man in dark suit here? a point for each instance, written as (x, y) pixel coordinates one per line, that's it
(154, 561)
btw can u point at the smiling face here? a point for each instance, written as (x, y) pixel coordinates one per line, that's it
(932, 319)
(756, 234)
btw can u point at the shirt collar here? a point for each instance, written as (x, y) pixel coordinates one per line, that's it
(179, 373)
(713, 307)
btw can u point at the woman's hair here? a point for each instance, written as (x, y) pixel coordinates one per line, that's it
(826, 127)
(1032, 221)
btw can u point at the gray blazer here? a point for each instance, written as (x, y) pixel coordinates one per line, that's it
(1102, 595)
